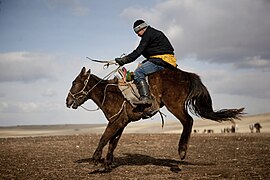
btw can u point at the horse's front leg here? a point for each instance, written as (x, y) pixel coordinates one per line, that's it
(110, 131)
(106, 136)
(98, 152)
(112, 145)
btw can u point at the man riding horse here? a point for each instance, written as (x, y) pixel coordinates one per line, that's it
(159, 54)
(189, 93)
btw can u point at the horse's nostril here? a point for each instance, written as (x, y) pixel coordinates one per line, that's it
(69, 102)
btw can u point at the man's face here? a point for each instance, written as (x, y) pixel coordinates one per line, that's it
(140, 33)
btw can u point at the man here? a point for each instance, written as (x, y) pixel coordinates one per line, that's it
(159, 54)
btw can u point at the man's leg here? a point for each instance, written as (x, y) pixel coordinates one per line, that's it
(140, 81)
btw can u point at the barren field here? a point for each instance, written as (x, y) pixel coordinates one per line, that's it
(147, 126)
(138, 156)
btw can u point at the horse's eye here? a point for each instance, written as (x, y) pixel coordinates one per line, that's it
(73, 83)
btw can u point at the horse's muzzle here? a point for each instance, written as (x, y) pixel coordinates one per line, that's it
(71, 102)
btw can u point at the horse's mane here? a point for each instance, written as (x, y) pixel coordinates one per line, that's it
(105, 81)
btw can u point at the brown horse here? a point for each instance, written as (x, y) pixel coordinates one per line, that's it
(174, 88)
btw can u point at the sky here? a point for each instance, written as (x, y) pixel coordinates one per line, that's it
(43, 45)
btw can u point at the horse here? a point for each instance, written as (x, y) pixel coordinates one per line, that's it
(177, 90)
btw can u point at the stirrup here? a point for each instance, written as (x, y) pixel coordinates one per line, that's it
(144, 101)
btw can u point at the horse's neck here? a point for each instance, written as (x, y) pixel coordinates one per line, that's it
(96, 87)
(97, 93)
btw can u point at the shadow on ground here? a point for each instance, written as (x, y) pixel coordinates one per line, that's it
(142, 160)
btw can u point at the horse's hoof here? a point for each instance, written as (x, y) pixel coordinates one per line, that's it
(97, 162)
(107, 169)
(182, 154)
(182, 151)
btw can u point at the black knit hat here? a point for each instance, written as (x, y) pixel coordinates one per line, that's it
(139, 25)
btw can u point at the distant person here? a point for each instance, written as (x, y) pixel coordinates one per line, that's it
(258, 127)
(251, 127)
(233, 128)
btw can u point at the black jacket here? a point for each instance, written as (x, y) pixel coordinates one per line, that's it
(153, 42)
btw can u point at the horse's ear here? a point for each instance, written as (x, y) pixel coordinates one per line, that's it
(83, 70)
(89, 71)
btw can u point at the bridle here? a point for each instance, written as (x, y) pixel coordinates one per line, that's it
(82, 91)
(85, 93)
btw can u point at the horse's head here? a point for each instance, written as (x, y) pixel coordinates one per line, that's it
(78, 93)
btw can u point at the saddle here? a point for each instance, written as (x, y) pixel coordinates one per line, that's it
(131, 94)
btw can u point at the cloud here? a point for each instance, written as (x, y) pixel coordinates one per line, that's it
(228, 80)
(252, 84)
(25, 67)
(2, 94)
(255, 62)
(18, 107)
(49, 93)
(29, 107)
(215, 31)
(75, 6)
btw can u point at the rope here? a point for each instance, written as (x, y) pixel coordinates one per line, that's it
(124, 102)
(106, 77)
(122, 107)
(89, 109)
(162, 119)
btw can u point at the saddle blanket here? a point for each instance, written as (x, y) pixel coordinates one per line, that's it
(129, 91)
(131, 94)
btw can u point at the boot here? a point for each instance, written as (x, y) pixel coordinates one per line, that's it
(143, 89)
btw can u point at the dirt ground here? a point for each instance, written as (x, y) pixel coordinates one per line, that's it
(138, 156)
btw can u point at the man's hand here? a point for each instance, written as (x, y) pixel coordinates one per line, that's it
(121, 61)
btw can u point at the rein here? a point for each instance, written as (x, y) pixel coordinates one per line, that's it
(85, 93)
(102, 100)
(106, 77)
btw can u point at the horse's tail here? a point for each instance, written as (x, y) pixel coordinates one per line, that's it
(199, 103)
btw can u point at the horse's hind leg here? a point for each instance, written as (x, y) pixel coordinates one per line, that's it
(187, 123)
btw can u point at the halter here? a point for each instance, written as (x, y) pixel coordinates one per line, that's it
(83, 89)
(85, 93)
